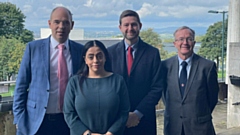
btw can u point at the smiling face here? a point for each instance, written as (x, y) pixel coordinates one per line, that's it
(184, 42)
(60, 24)
(130, 28)
(95, 60)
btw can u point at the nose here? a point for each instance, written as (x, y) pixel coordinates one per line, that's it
(95, 59)
(61, 25)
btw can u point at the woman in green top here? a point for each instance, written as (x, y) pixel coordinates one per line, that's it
(96, 100)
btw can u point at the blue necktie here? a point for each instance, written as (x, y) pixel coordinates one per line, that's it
(183, 77)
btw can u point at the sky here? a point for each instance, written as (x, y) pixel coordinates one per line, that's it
(156, 14)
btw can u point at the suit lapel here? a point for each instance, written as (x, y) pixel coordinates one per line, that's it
(192, 73)
(175, 72)
(122, 58)
(74, 56)
(139, 53)
(45, 55)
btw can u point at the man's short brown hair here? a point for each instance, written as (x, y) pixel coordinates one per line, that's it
(126, 13)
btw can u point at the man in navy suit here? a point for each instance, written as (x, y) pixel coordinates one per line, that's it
(143, 78)
(189, 103)
(36, 107)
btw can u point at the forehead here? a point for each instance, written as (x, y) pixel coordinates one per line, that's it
(129, 19)
(94, 50)
(60, 14)
(183, 32)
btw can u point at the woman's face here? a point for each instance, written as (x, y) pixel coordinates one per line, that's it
(95, 59)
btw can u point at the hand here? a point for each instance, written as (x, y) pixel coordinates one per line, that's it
(86, 132)
(108, 133)
(96, 134)
(133, 120)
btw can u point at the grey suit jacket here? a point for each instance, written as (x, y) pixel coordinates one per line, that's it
(193, 110)
(33, 83)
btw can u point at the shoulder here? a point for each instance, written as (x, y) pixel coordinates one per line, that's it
(169, 60)
(74, 79)
(203, 61)
(73, 43)
(39, 41)
(115, 46)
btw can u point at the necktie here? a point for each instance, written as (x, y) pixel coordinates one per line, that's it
(129, 59)
(62, 74)
(183, 77)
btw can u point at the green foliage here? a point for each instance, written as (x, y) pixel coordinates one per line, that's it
(153, 38)
(211, 47)
(11, 51)
(10, 92)
(12, 23)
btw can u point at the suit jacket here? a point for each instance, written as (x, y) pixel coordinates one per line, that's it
(193, 110)
(143, 84)
(33, 83)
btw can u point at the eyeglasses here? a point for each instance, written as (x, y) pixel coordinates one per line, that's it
(183, 39)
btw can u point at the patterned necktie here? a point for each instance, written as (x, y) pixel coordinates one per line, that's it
(183, 77)
(62, 74)
(129, 59)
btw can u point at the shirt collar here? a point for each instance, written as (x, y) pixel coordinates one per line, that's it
(55, 43)
(134, 46)
(188, 60)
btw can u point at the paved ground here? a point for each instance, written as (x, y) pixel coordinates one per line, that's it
(219, 121)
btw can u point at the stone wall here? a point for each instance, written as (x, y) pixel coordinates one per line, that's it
(6, 124)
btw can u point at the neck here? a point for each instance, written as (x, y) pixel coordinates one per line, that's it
(99, 74)
(131, 42)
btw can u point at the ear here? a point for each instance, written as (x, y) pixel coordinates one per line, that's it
(49, 23)
(72, 25)
(140, 26)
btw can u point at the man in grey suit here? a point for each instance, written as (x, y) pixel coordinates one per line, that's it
(189, 99)
(36, 106)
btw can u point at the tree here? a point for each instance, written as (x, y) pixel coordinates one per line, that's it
(211, 46)
(11, 23)
(11, 52)
(153, 38)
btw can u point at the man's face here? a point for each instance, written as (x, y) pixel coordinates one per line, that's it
(184, 42)
(130, 28)
(60, 24)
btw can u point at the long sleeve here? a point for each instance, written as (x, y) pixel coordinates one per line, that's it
(71, 117)
(118, 126)
(156, 87)
(213, 87)
(22, 85)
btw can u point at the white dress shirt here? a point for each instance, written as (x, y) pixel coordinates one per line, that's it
(53, 103)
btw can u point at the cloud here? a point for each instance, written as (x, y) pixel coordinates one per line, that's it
(105, 13)
(89, 3)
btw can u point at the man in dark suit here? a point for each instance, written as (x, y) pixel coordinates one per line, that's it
(189, 99)
(37, 108)
(142, 77)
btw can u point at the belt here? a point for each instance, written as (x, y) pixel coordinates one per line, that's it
(54, 117)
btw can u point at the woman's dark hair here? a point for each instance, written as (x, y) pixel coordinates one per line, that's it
(83, 72)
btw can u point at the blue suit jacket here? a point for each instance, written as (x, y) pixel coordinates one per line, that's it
(33, 83)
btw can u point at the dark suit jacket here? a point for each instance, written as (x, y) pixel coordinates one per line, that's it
(33, 83)
(194, 110)
(144, 85)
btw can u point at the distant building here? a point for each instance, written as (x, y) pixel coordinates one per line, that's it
(75, 34)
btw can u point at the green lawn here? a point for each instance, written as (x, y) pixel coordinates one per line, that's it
(10, 93)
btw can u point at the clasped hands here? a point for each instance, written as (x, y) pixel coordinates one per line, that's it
(108, 133)
(133, 120)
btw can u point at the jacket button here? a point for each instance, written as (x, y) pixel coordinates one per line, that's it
(47, 90)
(45, 107)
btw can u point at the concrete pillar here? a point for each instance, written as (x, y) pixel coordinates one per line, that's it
(6, 124)
(233, 63)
